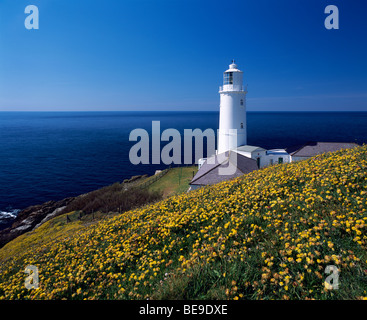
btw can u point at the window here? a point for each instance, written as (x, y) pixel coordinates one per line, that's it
(280, 160)
(228, 78)
(241, 125)
(271, 161)
(241, 102)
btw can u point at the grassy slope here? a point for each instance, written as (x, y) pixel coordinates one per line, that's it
(50, 231)
(267, 235)
(175, 181)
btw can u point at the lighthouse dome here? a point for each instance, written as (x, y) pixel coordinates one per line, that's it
(233, 68)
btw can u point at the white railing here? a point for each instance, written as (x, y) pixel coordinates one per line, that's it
(232, 87)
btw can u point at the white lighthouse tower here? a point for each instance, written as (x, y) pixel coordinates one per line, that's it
(232, 115)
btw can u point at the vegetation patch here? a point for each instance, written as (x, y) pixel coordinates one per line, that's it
(115, 198)
(266, 235)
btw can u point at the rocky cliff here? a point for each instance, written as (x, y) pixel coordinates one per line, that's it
(31, 217)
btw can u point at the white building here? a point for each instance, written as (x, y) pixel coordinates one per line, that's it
(232, 133)
(275, 156)
(263, 157)
(233, 124)
(252, 152)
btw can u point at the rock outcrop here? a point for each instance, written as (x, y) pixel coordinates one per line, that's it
(32, 217)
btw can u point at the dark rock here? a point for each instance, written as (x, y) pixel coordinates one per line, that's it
(32, 217)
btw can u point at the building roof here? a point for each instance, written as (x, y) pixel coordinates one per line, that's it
(248, 148)
(236, 164)
(311, 149)
(276, 151)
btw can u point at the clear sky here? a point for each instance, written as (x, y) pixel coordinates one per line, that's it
(171, 54)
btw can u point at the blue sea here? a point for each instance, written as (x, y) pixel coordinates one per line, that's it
(53, 155)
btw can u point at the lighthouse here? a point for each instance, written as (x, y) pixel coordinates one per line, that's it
(232, 114)
(241, 158)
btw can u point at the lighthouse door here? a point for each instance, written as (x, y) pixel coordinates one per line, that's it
(258, 161)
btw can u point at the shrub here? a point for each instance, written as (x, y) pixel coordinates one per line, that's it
(114, 198)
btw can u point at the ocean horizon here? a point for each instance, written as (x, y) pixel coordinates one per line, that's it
(58, 154)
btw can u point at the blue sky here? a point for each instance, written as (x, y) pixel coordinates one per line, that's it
(170, 55)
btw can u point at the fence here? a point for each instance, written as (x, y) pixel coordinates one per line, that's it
(154, 178)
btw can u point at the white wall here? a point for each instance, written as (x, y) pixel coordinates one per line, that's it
(232, 114)
(246, 154)
(259, 154)
(266, 161)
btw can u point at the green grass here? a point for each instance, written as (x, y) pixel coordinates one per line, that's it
(175, 181)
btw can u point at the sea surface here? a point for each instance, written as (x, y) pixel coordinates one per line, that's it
(53, 155)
